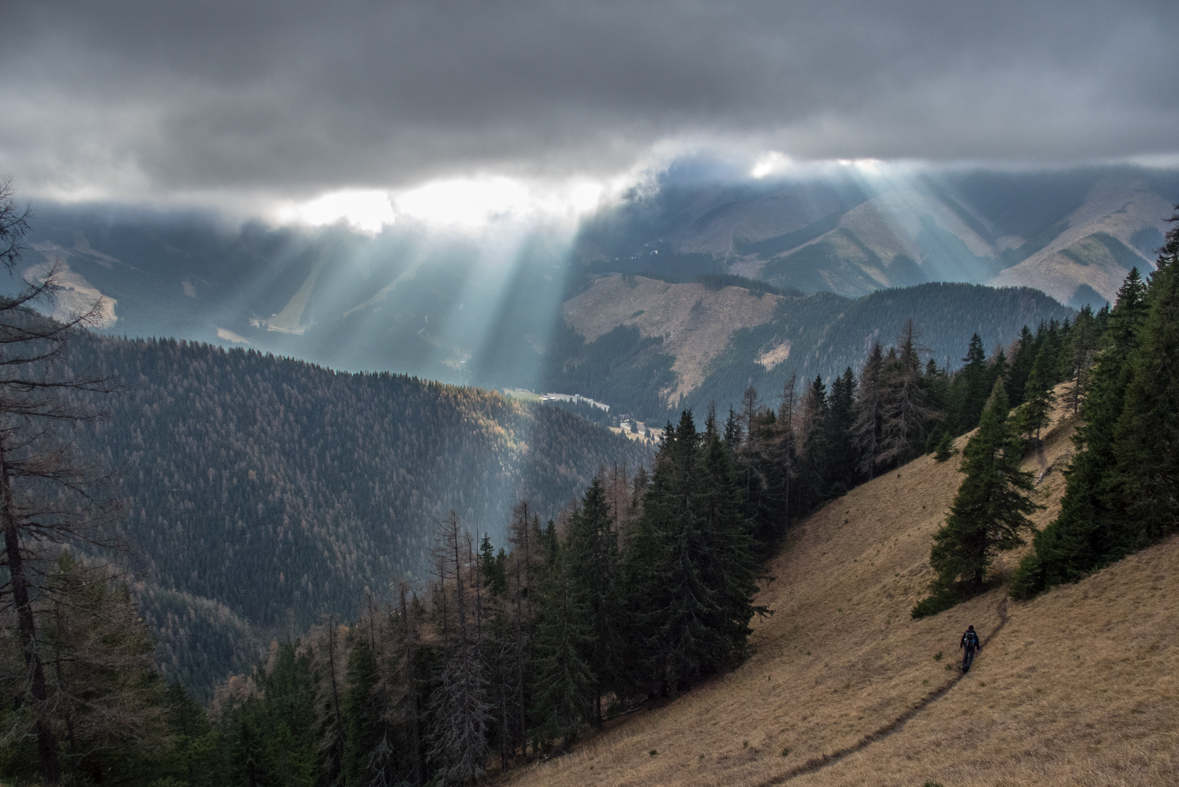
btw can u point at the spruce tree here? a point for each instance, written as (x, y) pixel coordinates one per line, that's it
(842, 460)
(1035, 413)
(780, 468)
(365, 710)
(989, 513)
(945, 448)
(563, 690)
(1146, 439)
(592, 549)
(868, 426)
(670, 604)
(813, 464)
(460, 703)
(1085, 535)
(688, 566)
(970, 387)
(1078, 358)
(729, 552)
(1023, 355)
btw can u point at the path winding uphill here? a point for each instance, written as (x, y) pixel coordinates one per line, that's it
(1078, 687)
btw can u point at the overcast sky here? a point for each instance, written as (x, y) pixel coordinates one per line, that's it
(244, 100)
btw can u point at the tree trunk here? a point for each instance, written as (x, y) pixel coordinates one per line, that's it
(415, 736)
(46, 740)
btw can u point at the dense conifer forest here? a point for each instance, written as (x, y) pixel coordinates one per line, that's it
(261, 492)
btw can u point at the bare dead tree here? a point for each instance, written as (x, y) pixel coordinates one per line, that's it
(905, 410)
(47, 499)
(329, 666)
(461, 712)
(786, 445)
(97, 656)
(411, 697)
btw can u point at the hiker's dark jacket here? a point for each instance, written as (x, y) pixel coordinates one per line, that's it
(970, 641)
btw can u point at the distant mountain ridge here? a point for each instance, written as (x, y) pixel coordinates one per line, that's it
(1073, 235)
(657, 346)
(505, 312)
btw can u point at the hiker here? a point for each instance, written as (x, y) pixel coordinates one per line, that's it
(969, 644)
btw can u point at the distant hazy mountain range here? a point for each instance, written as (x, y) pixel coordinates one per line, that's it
(1071, 234)
(612, 313)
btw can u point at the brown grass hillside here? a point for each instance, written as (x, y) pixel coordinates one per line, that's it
(1078, 687)
(696, 322)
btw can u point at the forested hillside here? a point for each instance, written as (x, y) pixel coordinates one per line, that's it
(652, 347)
(267, 491)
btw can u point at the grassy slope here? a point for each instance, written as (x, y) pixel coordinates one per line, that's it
(1077, 687)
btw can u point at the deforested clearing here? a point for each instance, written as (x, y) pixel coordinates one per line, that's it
(1077, 687)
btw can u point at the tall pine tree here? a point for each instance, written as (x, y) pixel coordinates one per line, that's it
(1085, 535)
(989, 513)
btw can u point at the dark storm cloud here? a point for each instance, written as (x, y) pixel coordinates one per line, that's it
(154, 98)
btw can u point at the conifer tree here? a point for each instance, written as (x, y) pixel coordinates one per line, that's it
(997, 367)
(970, 387)
(781, 466)
(668, 601)
(563, 694)
(524, 572)
(365, 714)
(906, 412)
(841, 464)
(729, 551)
(106, 703)
(46, 497)
(1023, 355)
(491, 567)
(459, 704)
(687, 567)
(813, 467)
(1146, 438)
(1078, 358)
(945, 448)
(760, 475)
(1035, 413)
(591, 556)
(989, 513)
(329, 665)
(411, 700)
(1085, 534)
(868, 427)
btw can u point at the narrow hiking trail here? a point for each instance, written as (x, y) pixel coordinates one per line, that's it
(841, 668)
(827, 760)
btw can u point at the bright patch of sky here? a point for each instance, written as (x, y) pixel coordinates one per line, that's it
(772, 163)
(463, 204)
(472, 203)
(365, 210)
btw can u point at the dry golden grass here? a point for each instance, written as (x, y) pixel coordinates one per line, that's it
(1078, 687)
(696, 322)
